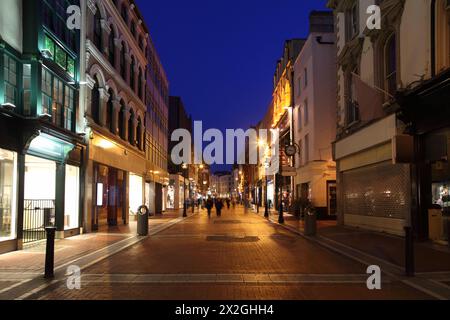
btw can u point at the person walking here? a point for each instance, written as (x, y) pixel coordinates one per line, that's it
(209, 205)
(228, 203)
(219, 206)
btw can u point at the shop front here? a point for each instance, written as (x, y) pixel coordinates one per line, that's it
(175, 192)
(426, 108)
(115, 187)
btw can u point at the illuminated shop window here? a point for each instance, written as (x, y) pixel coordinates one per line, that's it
(8, 194)
(71, 203)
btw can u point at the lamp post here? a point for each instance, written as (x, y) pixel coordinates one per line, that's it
(184, 166)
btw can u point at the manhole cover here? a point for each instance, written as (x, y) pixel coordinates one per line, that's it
(227, 221)
(232, 238)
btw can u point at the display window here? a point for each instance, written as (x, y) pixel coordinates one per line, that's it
(72, 196)
(8, 195)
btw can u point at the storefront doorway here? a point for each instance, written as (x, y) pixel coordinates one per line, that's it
(39, 197)
(109, 200)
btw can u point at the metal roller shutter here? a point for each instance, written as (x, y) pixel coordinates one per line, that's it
(381, 190)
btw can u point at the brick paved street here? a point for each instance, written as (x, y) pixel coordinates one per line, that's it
(238, 256)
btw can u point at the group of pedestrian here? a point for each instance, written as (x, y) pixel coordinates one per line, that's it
(218, 203)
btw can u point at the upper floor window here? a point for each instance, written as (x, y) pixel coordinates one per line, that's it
(306, 77)
(140, 92)
(124, 13)
(112, 48)
(54, 18)
(121, 121)
(352, 19)
(131, 139)
(139, 134)
(351, 105)
(58, 100)
(132, 73)
(122, 61)
(306, 112)
(60, 56)
(390, 65)
(141, 42)
(10, 71)
(98, 29)
(299, 86)
(95, 102)
(133, 29)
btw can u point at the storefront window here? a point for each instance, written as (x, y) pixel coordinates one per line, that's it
(8, 193)
(136, 191)
(171, 196)
(71, 204)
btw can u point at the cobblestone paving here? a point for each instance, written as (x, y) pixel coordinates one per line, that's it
(201, 258)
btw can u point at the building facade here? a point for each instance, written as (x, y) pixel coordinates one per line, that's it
(391, 154)
(41, 146)
(282, 119)
(114, 44)
(315, 116)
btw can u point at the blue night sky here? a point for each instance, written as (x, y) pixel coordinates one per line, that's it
(220, 55)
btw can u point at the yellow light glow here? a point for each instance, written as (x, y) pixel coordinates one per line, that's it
(105, 144)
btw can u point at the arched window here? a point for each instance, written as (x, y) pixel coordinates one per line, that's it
(98, 29)
(124, 13)
(139, 134)
(110, 111)
(131, 139)
(95, 102)
(121, 121)
(133, 28)
(141, 42)
(122, 61)
(132, 66)
(112, 48)
(390, 64)
(140, 85)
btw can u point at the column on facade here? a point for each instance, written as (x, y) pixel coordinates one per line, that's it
(115, 116)
(127, 68)
(104, 97)
(142, 136)
(126, 119)
(136, 79)
(90, 83)
(118, 48)
(135, 125)
(106, 30)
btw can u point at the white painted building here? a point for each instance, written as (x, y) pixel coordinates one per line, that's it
(314, 116)
(381, 73)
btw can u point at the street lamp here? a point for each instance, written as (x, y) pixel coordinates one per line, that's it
(184, 166)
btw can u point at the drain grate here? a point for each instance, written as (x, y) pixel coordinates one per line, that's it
(232, 238)
(227, 221)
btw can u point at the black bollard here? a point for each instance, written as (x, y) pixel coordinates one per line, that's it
(280, 213)
(50, 253)
(409, 252)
